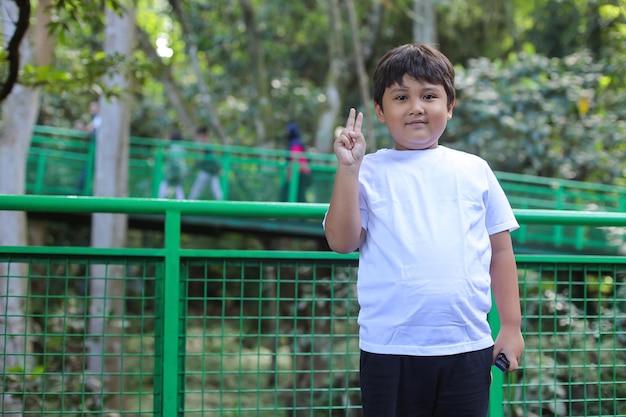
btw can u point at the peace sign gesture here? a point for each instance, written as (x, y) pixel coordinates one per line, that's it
(349, 146)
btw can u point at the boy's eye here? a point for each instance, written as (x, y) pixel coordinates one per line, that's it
(401, 98)
(429, 96)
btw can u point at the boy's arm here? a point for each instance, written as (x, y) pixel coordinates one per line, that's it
(343, 219)
(505, 288)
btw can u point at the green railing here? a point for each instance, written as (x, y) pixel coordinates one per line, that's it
(59, 157)
(208, 332)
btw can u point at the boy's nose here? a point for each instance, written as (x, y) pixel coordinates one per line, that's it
(417, 108)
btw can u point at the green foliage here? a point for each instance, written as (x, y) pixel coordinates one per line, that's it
(523, 112)
(294, 50)
(466, 30)
(69, 13)
(560, 28)
(81, 79)
(536, 115)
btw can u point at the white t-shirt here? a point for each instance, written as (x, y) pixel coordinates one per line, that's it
(423, 284)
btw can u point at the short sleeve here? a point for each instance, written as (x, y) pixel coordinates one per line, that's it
(363, 208)
(500, 216)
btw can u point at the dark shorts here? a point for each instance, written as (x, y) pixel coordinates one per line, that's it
(426, 386)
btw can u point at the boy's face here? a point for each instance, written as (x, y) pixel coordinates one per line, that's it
(416, 113)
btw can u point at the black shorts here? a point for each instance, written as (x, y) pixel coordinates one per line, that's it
(426, 386)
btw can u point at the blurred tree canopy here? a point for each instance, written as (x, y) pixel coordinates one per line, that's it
(541, 82)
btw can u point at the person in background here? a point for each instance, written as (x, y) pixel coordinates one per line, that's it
(296, 148)
(432, 227)
(209, 170)
(96, 120)
(175, 168)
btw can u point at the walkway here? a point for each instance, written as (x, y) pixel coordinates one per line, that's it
(58, 157)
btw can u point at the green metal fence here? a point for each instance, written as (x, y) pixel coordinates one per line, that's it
(206, 332)
(59, 157)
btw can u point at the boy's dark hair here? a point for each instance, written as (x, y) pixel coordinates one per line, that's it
(202, 130)
(417, 60)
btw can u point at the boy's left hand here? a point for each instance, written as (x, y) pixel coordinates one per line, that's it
(510, 342)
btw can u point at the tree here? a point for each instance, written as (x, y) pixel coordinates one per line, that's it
(362, 76)
(469, 29)
(106, 287)
(264, 116)
(164, 74)
(18, 119)
(424, 22)
(192, 53)
(335, 76)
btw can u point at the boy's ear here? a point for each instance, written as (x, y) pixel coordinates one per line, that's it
(450, 107)
(380, 115)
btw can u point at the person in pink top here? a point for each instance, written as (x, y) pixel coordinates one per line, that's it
(296, 147)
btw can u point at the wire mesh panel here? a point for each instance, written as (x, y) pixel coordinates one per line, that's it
(83, 342)
(575, 332)
(270, 336)
(275, 338)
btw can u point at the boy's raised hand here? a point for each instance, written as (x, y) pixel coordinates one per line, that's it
(349, 146)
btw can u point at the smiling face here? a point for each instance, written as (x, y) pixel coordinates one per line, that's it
(415, 112)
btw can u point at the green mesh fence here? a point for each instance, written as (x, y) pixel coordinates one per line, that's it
(173, 331)
(270, 338)
(90, 330)
(278, 337)
(575, 332)
(256, 337)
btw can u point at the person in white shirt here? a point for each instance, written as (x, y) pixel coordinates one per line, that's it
(432, 228)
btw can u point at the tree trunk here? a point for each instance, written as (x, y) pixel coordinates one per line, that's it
(368, 118)
(325, 134)
(19, 113)
(163, 72)
(192, 51)
(424, 24)
(106, 285)
(264, 116)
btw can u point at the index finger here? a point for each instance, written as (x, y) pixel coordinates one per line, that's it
(351, 117)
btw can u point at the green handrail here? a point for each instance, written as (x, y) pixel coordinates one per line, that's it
(57, 156)
(252, 209)
(532, 191)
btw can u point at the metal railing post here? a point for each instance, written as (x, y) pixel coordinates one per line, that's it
(173, 404)
(496, 395)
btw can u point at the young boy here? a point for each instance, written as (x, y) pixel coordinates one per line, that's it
(432, 225)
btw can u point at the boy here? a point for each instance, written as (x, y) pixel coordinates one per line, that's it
(432, 225)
